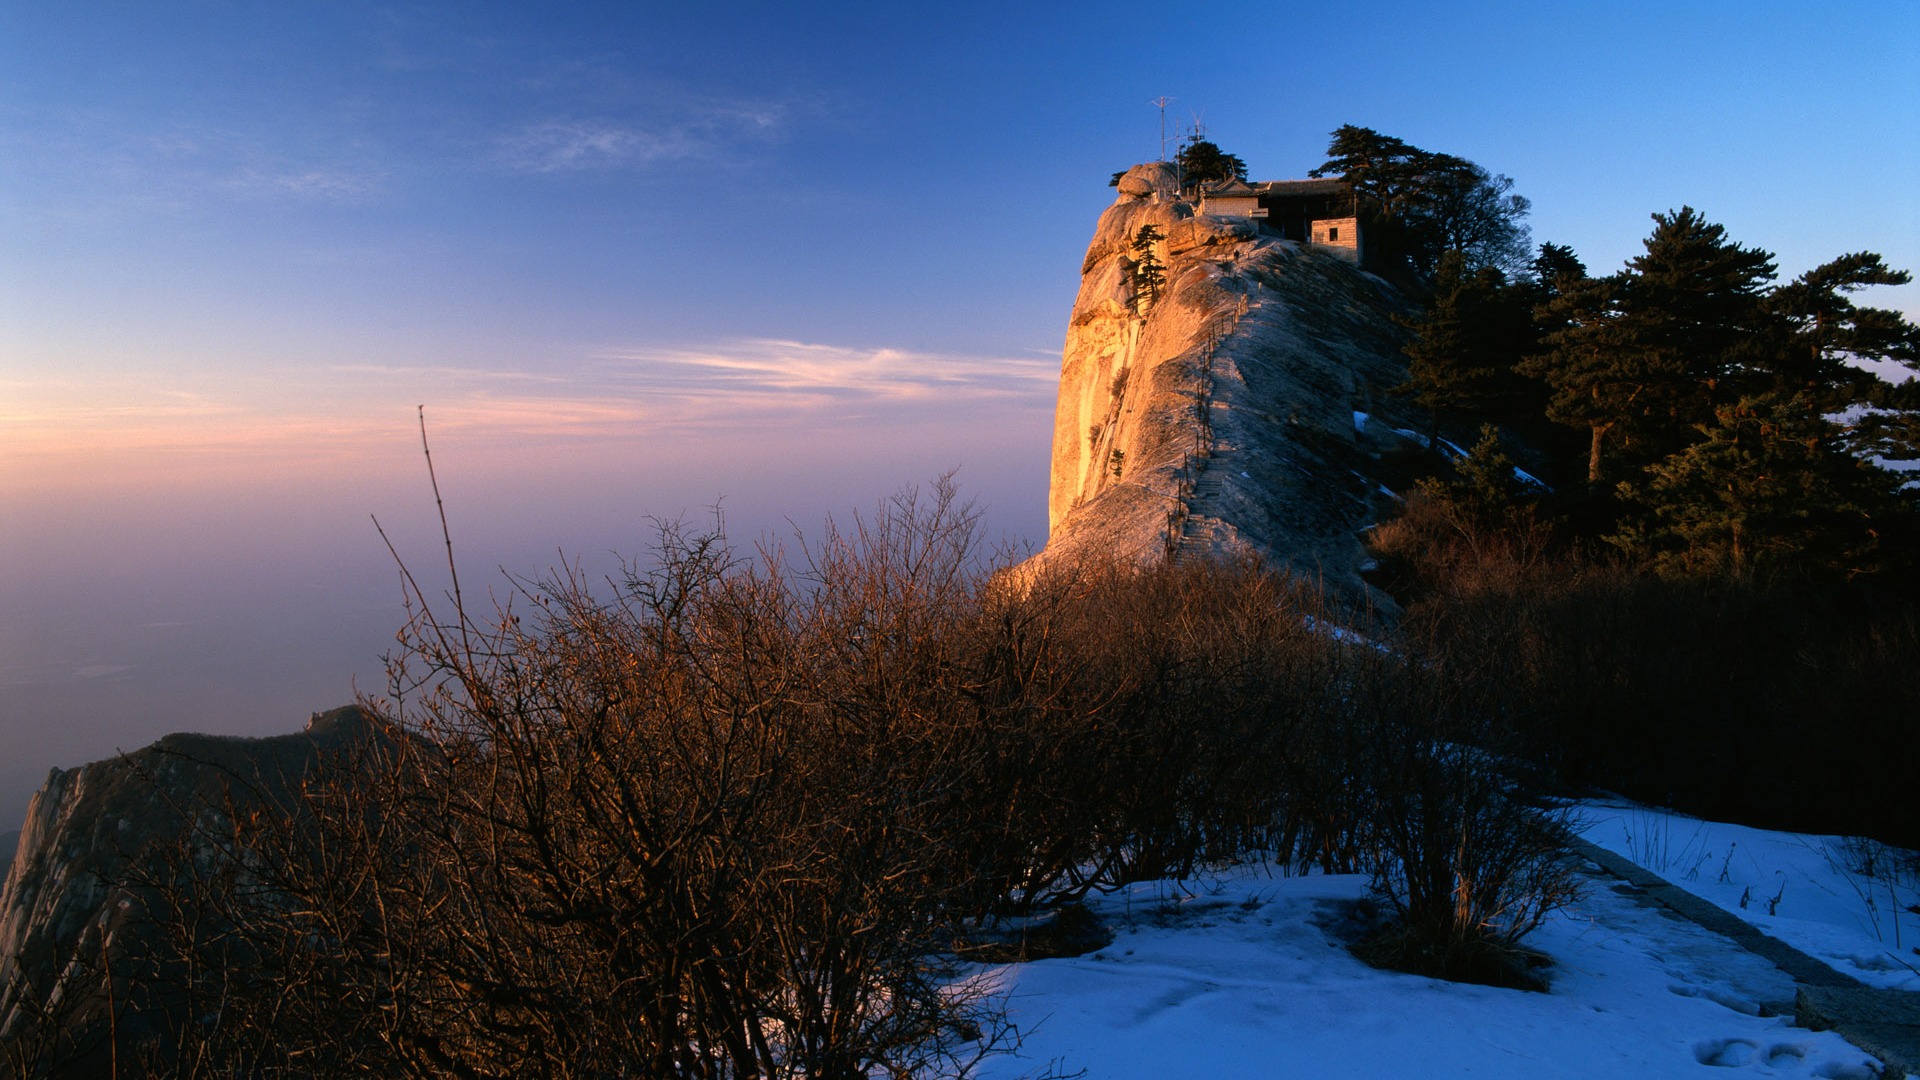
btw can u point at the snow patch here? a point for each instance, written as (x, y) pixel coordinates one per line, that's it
(1813, 892)
(1241, 973)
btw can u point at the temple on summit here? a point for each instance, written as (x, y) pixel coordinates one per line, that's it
(1319, 212)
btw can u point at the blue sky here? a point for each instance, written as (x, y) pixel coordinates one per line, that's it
(638, 258)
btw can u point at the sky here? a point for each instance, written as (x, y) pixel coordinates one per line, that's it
(641, 261)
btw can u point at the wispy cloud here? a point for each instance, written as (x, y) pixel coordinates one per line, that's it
(309, 164)
(53, 404)
(566, 144)
(88, 166)
(442, 372)
(574, 145)
(775, 371)
(763, 385)
(326, 182)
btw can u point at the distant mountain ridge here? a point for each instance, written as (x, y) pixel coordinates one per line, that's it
(66, 915)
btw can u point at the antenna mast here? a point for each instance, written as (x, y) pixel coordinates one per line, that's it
(1199, 126)
(1162, 101)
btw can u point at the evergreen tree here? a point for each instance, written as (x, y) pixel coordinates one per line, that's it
(1828, 347)
(1640, 359)
(1462, 207)
(1383, 171)
(1489, 481)
(1769, 484)
(1891, 435)
(1730, 421)
(1588, 386)
(1465, 345)
(1826, 329)
(1202, 162)
(1695, 296)
(1555, 269)
(1149, 275)
(1421, 204)
(1554, 272)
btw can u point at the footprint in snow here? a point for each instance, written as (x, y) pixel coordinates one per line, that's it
(1719, 997)
(1788, 1058)
(1727, 1053)
(1172, 999)
(1781, 1054)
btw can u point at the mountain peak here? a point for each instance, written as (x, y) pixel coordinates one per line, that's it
(1216, 357)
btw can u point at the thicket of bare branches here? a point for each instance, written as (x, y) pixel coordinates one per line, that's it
(740, 817)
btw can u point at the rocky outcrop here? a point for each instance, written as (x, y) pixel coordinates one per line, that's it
(69, 902)
(1245, 407)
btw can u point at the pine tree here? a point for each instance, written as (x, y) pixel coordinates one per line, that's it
(1555, 269)
(1588, 386)
(1489, 481)
(1769, 484)
(1641, 358)
(1826, 330)
(1422, 204)
(1149, 275)
(1465, 345)
(1463, 207)
(1785, 475)
(1836, 351)
(1715, 400)
(1383, 171)
(1694, 297)
(1202, 162)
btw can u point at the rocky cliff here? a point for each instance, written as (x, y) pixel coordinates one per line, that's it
(69, 902)
(1246, 406)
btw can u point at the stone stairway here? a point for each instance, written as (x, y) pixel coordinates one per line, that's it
(1197, 540)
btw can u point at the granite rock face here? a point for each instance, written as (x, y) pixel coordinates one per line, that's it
(1247, 407)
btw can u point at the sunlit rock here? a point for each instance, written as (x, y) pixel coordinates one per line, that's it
(1221, 415)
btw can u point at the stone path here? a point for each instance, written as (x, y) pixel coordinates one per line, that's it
(1197, 540)
(1884, 1023)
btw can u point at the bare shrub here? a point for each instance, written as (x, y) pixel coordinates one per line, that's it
(729, 817)
(1202, 717)
(57, 1017)
(719, 813)
(1468, 865)
(717, 823)
(1451, 543)
(1241, 718)
(286, 930)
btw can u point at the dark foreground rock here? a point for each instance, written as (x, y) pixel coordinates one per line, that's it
(68, 911)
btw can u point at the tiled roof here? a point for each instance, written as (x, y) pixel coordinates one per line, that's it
(1327, 186)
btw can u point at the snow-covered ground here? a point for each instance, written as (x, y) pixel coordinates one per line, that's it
(1242, 974)
(1809, 891)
